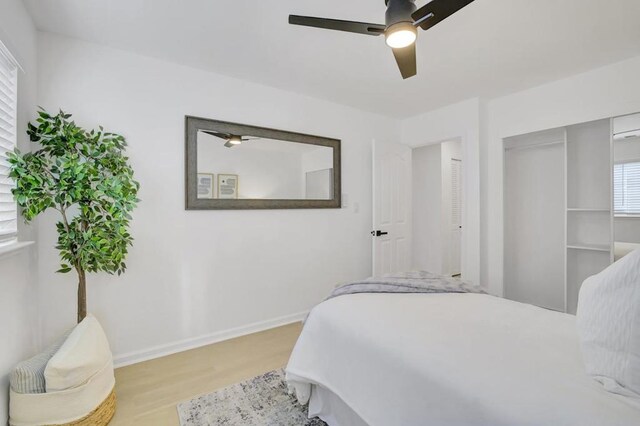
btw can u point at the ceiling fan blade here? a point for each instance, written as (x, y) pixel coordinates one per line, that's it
(216, 134)
(228, 145)
(406, 59)
(439, 9)
(338, 25)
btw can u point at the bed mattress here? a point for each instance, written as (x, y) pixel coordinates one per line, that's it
(450, 359)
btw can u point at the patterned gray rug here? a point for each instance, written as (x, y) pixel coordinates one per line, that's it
(261, 401)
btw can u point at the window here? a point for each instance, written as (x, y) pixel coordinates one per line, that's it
(8, 106)
(626, 188)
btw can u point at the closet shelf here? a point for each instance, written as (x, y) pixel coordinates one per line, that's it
(593, 247)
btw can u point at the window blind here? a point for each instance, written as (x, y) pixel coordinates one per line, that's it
(626, 188)
(8, 107)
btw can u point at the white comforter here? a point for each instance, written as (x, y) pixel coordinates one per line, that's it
(451, 359)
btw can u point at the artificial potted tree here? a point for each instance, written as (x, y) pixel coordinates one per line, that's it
(86, 177)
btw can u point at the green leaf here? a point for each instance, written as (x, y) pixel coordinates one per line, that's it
(88, 179)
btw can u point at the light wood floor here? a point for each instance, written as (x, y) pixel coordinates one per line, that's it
(148, 392)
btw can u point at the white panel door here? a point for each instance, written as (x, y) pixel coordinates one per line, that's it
(456, 216)
(391, 208)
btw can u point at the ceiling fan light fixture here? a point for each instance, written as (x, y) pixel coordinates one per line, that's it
(401, 21)
(235, 140)
(400, 35)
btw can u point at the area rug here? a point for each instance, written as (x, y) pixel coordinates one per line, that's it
(260, 401)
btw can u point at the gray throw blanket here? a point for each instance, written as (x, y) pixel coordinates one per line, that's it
(408, 282)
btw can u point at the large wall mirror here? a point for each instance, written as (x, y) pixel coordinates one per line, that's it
(236, 166)
(626, 184)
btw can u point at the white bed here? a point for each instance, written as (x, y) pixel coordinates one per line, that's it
(447, 359)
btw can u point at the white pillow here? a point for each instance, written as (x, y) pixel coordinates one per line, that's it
(84, 353)
(608, 321)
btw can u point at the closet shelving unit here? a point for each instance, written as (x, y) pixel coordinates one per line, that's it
(589, 219)
(571, 170)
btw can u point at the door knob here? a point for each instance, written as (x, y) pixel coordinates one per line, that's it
(378, 233)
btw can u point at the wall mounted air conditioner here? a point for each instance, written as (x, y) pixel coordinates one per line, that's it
(627, 135)
(627, 126)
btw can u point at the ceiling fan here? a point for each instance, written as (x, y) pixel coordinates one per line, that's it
(400, 30)
(231, 140)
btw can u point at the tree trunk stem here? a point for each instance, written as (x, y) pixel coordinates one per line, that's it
(82, 295)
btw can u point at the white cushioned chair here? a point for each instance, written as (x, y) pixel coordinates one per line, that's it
(70, 383)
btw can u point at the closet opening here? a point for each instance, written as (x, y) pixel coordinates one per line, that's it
(571, 207)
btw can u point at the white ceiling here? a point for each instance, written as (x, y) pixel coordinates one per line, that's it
(490, 48)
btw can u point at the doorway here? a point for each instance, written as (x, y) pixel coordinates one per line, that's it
(437, 206)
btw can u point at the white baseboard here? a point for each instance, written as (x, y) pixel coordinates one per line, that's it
(207, 339)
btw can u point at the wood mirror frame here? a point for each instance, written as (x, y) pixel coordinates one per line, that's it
(192, 202)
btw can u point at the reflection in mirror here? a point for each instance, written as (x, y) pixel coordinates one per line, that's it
(626, 184)
(234, 167)
(238, 166)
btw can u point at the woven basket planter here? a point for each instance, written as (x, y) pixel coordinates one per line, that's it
(101, 416)
(82, 391)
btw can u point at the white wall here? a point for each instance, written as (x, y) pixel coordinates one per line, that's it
(317, 159)
(19, 337)
(195, 276)
(605, 92)
(535, 268)
(427, 208)
(458, 121)
(627, 229)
